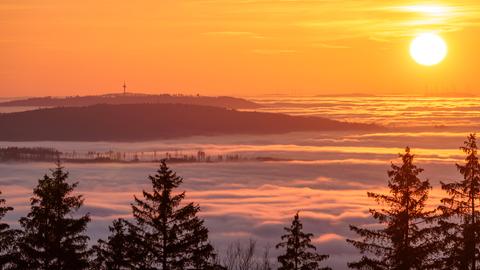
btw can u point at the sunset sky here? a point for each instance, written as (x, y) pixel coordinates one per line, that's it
(227, 47)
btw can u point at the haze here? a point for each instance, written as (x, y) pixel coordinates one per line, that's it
(267, 108)
(234, 47)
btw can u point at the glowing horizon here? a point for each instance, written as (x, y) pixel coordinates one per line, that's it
(233, 47)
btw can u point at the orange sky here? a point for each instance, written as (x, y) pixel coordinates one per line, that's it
(227, 47)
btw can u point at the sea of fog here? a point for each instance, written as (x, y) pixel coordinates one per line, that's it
(323, 175)
(326, 177)
(391, 111)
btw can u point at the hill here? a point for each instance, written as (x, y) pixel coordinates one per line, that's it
(138, 122)
(128, 98)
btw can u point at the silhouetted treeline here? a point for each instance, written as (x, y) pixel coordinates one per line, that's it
(28, 153)
(406, 239)
(412, 237)
(166, 232)
(299, 252)
(133, 122)
(51, 237)
(75, 101)
(44, 154)
(7, 238)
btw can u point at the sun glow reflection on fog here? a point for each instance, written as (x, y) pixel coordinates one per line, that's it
(433, 10)
(462, 113)
(327, 180)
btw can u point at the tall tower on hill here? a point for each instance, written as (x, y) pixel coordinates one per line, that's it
(124, 88)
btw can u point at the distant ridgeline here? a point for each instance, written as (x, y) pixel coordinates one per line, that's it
(44, 154)
(141, 122)
(128, 98)
(28, 154)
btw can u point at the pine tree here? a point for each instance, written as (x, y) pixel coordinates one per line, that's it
(122, 250)
(460, 219)
(299, 252)
(52, 238)
(405, 241)
(174, 236)
(7, 238)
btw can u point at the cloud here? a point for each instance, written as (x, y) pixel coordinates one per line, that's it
(234, 34)
(387, 20)
(273, 51)
(328, 237)
(253, 200)
(331, 46)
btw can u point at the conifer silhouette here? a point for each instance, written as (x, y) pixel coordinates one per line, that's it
(405, 242)
(299, 252)
(174, 237)
(7, 239)
(460, 219)
(52, 238)
(122, 249)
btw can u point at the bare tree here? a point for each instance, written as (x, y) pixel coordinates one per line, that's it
(239, 256)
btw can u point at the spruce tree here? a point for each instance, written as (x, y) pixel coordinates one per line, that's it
(299, 252)
(7, 238)
(52, 237)
(460, 219)
(174, 236)
(122, 250)
(404, 241)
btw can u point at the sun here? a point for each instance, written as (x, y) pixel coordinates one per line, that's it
(428, 49)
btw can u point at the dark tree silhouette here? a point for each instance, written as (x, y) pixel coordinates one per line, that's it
(174, 236)
(52, 238)
(299, 252)
(238, 256)
(122, 250)
(460, 218)
(7, 239)
(405, 242)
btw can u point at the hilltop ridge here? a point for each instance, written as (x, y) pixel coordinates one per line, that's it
(131, 98)
(140, 122)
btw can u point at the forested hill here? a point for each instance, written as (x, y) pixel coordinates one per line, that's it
(222, 101)
(137, 122)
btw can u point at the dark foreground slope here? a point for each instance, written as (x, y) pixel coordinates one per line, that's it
(136, 122)
(223, 101)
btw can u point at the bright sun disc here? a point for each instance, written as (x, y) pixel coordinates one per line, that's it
(428, 49)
